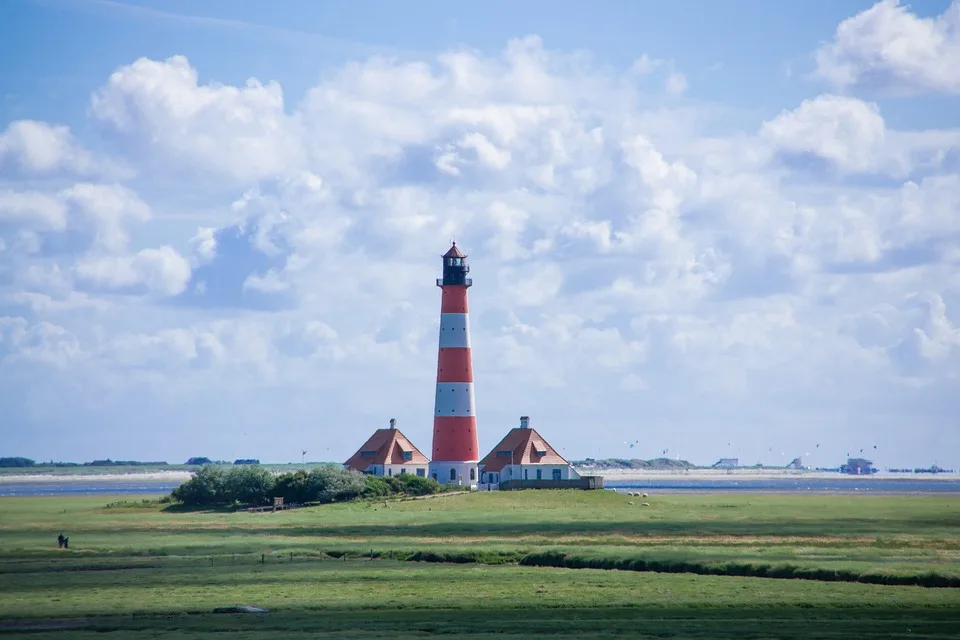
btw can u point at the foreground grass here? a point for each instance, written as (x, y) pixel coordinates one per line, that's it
(135, 568)
(366, 597)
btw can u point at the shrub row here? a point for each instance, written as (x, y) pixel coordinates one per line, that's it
(570, 561)
(252, 485)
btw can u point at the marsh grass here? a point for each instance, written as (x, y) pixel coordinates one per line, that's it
(489, 563)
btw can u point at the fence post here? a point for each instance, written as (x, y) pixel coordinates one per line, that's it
(262, 558)
(291, 556)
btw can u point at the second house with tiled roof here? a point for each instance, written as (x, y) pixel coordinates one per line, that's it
(389, 453)
(524, 454)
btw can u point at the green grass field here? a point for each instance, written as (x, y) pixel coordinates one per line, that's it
(135, 568)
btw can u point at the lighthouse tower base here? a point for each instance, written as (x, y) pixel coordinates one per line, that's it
(465, 474)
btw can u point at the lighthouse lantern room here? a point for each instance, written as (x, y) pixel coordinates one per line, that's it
(455, 443)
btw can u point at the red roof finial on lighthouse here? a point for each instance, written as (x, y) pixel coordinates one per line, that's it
(454, 252)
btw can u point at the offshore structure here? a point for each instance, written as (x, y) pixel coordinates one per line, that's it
(456, 448)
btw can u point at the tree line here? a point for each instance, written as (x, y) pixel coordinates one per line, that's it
(252, 486)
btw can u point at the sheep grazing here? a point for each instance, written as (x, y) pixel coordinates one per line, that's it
(631, 502)
(643, 504)
(643, 495)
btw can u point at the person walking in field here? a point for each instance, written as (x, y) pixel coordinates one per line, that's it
(60, 540)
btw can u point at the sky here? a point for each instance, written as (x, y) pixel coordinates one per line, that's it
(696, 229)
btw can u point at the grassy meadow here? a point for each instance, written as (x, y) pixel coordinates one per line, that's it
(136, 566)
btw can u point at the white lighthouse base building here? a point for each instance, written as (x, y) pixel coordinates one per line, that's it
(465, 474)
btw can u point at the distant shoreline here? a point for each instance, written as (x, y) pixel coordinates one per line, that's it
(135, 476)
(753, 474)
(609, 475)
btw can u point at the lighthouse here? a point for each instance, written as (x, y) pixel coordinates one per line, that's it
(456, 450)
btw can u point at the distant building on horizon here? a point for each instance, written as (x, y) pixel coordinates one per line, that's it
(796, 463)
(857, 467)
(389, 453)
(727, 463)
(524, 454)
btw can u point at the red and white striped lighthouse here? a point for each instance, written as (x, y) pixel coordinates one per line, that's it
(456, 449)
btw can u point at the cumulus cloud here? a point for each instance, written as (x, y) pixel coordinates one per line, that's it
(891, 48)
(38, 147)
(160, 270)
(851, 136)
(625, 261)
(159, 108)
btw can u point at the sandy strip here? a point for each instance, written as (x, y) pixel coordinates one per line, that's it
(625, 475)
(149, 476)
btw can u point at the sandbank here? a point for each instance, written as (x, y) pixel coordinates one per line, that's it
(630, 475)
(62, 478)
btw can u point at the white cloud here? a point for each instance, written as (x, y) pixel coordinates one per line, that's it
(160, 270)
(37, 147)
(621, 253)
(676, 83)
(158, 107)
(845, 131)
(851, 135)
(889, 47)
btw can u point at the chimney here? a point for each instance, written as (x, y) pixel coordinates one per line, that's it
(393, 423)
(524, 422)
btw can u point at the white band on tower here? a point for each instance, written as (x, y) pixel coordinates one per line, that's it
(454, 399)
(454, 331)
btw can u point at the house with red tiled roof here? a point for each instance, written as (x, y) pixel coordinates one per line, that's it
(389, 453)
(524, 454)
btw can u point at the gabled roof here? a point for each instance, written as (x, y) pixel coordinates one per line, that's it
(385, 446)
(454, 252)
(524, 444)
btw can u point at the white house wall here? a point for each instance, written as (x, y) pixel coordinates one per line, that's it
(397, 469)
(546, 472)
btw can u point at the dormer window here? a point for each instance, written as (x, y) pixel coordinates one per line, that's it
(541, 453)
(368, 454)
(407, 456)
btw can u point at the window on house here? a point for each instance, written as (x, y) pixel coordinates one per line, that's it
(556, 474)
(408, 455)
(403, 471)
(504, 453)
(434, 476)
(473, 474)
(368, 454)
(541, 453)
(453, 474)
(539, 474)
(390, 472)
(525, 474)
(421, 472)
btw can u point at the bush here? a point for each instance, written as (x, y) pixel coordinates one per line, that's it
(199, 460)
(248, 485)
(204, 489)
(330, 483)
(377, 487)
(410, 485)
(294, 487)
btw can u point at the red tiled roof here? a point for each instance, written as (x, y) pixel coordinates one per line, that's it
(524, 443)
(454, 252)
(387, 446)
